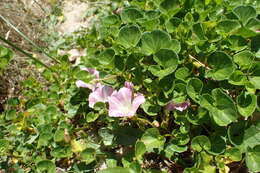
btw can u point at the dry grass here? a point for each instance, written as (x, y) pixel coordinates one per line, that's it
(26, 16)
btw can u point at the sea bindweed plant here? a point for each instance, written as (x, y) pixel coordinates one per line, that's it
(170, 86)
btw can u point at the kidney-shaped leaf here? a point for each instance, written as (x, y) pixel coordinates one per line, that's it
(130, 15)
(129, 36)
(166, 58)
(225, 112)
(152, 139)
(227, 26)
(200, 143)
(221, 64)
(244, 58)
(244, 13)
(246, 104)
(153, 41)
(253, 159)
(46, 165)
(194, 88)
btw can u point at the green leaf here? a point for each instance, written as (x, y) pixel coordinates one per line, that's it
(131, 15)
(200, 143)
(59, 135)
(234, 154)
(153, 41)
(62, 152)
(225, 110)
(150, 108)
(126, 135)
(246, 104)
(245, 13)
(107, 136)
(228, 26)
(88, 155)
(218, 144)
(244, 59)
(140, 149)
(175, 45)
(117, 170)
(167, 61)
(194, 88)
(253, 159)
(172, 24)
(221, 64)
(152, 139)
(198, 31)
(91, 117)
(182, 73)
(170, 7)
(129, 36)
(110, 20)
(238, 78)
(106, 57)
(4, 146)
(243, 137)
(255, 80)
(172, 148)
(10, 114)
(166, 58)
(46, 165)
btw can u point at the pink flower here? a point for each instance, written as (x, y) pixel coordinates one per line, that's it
(123, 103)
(181, 106)
(129, 85)
(101, 94)
(92, 86)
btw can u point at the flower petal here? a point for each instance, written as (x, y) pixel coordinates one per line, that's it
(138, 100)
(120, 103)
(129, 85)
(91, 71)
(81, 84)
(182, 106)
(101, 94)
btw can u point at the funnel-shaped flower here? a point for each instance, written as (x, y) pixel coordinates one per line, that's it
(101, 94)
(129, 85)
(181, 106)
(92, 86)
(123, 103)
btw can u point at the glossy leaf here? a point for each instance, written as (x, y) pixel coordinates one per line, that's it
(221, 64)
(153, 41)
(200, 143)
(246, 104)
(129, 36)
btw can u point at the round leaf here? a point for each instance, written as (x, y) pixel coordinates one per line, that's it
(153, 41)
(194, 88)
(244, 13)
(246, 104)
(221, 64)
(131, 15)
(227, 26)
(225, 111)
(46, 165)
(166, 58)
(200, 143)
(244, 59)
(129, 36)
(253, 159)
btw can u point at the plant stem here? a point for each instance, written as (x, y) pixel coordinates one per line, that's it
(26, 38)
(25, 53)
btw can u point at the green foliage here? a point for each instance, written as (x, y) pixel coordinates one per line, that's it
(5, 56)
(175, 52)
